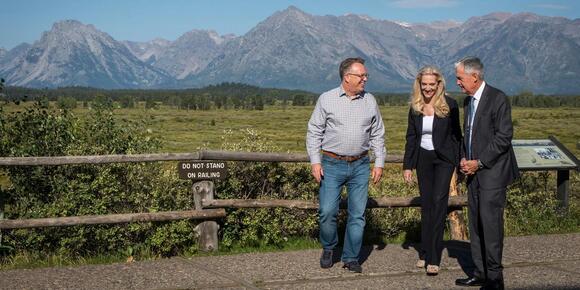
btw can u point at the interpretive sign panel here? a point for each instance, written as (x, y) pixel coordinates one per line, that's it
(203, 170)
(543, 154)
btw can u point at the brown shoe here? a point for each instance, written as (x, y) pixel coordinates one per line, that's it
(420, 263)
(432, 270)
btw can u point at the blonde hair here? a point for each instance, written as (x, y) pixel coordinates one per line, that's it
(439, 104)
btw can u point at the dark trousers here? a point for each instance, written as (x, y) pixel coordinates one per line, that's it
(434, 176)
(486, 207)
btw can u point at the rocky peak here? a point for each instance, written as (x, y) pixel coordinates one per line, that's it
(72, 33)
(288, 16)
(73, 53)
(485, 22)
(294, 12)
(201, 35)
(74, 29)
(190, 53)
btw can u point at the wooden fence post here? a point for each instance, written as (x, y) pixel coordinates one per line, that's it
(207, 231)
(457, 226)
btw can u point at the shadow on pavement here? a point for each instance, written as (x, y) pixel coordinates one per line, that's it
(459, 250)
(366, 251)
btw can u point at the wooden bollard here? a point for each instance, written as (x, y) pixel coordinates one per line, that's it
(457, 227)
(207, 231)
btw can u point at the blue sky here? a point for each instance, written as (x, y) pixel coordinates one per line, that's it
(142, 20)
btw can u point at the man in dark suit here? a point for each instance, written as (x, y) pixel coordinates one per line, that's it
(489, 162)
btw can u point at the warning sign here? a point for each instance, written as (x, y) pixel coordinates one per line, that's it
(203, 170)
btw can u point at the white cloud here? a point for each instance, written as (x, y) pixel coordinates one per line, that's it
(423, 3)
(551, 6)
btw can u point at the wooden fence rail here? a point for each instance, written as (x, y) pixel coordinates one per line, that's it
(206, 207)
(380, 202)
(113, 218)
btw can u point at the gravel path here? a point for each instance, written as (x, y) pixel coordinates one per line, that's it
(531, 262)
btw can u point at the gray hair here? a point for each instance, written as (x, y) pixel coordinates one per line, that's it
(471, 64)
(347, 63)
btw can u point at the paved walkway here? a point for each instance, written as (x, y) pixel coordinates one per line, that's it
(531, 262)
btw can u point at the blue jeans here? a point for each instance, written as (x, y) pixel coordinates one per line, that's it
(355, 175)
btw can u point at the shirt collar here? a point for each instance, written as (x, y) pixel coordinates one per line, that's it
(342, 93)
(479, 91)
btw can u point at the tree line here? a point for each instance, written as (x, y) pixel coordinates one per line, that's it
(228, 96)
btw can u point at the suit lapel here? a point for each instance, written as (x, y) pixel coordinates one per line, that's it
(419, 124)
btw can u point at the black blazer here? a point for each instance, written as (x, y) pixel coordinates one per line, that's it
(492, 139)
(446, 136)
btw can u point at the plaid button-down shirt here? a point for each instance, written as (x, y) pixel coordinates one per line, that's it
(346, 126)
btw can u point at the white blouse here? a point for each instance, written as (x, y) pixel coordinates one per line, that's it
(427, 133)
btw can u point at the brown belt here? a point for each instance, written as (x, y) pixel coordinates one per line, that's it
(345, 158)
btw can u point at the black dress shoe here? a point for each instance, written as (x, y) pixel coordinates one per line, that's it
(470, 281)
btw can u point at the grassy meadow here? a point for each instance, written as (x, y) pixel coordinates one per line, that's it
(188, 131)
(285, 126)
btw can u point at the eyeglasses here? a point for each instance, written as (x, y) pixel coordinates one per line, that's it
(362, 76)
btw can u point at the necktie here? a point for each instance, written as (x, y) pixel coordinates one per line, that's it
(471, 114)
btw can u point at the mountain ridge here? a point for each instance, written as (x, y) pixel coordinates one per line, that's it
(296, 50)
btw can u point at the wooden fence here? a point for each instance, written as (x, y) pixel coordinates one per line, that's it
(206, 207)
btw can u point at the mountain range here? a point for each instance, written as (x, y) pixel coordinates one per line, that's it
(296, 50)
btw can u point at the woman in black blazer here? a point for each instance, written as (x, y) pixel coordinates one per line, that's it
(432, 149)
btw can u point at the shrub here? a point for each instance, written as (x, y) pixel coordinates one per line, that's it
(264, 180)
(74, 190)
(66, 102)
(532, 206)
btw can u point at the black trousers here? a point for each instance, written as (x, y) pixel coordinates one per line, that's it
(486, 208)
(434, 176)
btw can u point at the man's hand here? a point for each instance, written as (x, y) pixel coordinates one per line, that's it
(469, 167)
(317, 172)
(408, 176)
(376, 174)
(462, 165)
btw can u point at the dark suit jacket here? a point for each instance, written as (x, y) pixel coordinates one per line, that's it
(492, 139)
(446, 136)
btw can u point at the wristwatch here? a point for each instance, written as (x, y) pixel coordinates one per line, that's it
(479, 164)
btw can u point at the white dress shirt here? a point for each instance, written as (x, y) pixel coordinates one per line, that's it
(476, 99)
